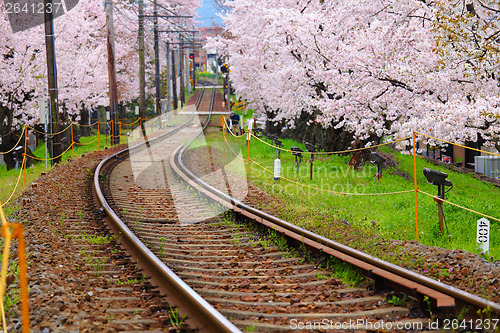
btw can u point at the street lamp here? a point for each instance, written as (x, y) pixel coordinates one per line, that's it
(438, 179)
(297, 152)
(279, 144)
(377, 159)
(312, 149)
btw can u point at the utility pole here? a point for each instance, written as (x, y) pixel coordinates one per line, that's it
(157, 58)
(174, 81)
(55, 141)
(216, 69)
(193, 73)
(228, 93)
(142, 65)
(188, 71)
(181, 72)
(169, 80)
(113, 94)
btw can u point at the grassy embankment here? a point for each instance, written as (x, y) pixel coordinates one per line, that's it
(376, 216)
(8, 178)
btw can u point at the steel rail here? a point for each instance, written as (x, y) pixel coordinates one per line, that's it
(383, 272)
(201, 314)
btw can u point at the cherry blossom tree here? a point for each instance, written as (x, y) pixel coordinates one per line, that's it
(81, 57)
(372, 68)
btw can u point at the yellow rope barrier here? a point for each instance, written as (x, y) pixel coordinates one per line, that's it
(322, 152)
(333, 152)
(124, 124)
(17, 184)
(459, 145)
(5, 266)
(464, 208)
(230, 131)
(92, 124)
(64, 130)
(317, 188)
(23, 269)
(17, 144)
(328, 191)
(86, 144)
(53, 158)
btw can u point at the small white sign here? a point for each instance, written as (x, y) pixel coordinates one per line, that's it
(137, 109)
(483, 234)
(107, 115)
(277, 169)
(43, 104)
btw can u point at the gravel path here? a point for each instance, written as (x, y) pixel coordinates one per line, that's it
(77, 284)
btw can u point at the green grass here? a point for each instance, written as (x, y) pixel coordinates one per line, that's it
(206, 75)
(96, 239)
(8, 178)
(386, 216)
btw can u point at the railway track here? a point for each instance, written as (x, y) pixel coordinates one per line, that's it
(180, 228)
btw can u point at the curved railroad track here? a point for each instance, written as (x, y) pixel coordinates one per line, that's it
(175, 224)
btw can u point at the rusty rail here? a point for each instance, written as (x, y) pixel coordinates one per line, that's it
(206, 318)
(201, 314)
(384, 273)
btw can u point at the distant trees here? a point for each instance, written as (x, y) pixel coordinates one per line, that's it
(81, 56)
(371, 68)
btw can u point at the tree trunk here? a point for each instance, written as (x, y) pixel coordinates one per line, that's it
(327, 139)
(8, 135)
(84, 121)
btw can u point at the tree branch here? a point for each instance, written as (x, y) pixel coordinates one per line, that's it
(319, 50)
(397, 83)
(489, 8)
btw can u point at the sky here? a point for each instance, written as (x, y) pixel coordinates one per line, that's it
(207, 14)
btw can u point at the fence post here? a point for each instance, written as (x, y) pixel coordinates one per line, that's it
(415, 181)
(23, 279)
(23, 268)
(223, 123)
(112, 140)
(98, 136)
(72, 141)
(248, 145)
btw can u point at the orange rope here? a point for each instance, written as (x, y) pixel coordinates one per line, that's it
(17, 183)
(459, 145)
(52, 134)
(53, 158)
(464, 208)
(17, 144)
(317, 188)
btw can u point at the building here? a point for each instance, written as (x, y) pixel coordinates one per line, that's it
(205, 60)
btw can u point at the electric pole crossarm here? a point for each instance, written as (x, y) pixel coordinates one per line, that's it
(165, 16)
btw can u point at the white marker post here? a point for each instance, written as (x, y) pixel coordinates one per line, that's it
(43, 103)
(277, 169)
(483, 234)
(250, 128)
